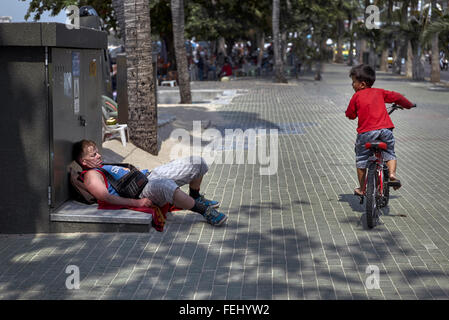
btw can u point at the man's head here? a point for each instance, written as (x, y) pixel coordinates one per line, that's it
(85, 152)
(363, 76)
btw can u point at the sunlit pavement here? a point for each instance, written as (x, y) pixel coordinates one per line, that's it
(295, 234)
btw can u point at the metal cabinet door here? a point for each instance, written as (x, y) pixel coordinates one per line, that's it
(66, 115)
(90, 91)
(76, 112)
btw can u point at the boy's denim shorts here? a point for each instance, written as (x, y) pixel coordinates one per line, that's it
(362, 154)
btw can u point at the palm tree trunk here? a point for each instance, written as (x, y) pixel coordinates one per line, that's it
(284, 36)
(318, 67)
(119, 9)
(222, 46)
(261, 46)
(350, 54)
(435, 73)
(340, 29)
(170, 46)
(386, 43)
(404, 46)
(409, 63)
(284, 47)
(177, 11)
(395, 56)
(339, 55)
(142, 114)
(319, 62)
(363, 45)
(418, 66)
(351, 45)
(383, 60)
(417, 63)
(372, 57)
(278, 65)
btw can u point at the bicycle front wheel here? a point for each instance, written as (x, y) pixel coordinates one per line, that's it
(371, 191)
(386, 188)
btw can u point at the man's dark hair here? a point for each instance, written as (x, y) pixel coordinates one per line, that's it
(364, 73)
(79, 148)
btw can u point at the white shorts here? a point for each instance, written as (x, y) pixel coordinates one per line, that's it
(165, 179)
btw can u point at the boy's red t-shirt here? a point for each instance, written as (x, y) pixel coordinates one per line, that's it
(369, 106)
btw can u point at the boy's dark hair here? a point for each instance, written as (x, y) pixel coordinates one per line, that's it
(79, 148)
(364, 73)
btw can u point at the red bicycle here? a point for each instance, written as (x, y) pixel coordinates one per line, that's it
(377, 184)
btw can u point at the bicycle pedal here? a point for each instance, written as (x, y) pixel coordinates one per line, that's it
(395, 183)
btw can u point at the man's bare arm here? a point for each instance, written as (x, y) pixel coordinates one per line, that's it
(94, 182)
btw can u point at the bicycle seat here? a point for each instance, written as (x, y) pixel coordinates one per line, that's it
(376, 145)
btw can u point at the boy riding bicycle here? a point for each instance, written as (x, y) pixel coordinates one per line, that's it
(374, 123)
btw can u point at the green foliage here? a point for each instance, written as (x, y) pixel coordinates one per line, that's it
(103, 8)
(240, 20)
(208, 20)
(320, 19)
(440, 26)
(160, 14)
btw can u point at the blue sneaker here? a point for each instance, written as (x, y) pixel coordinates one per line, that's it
(214, 217)
(206, 202)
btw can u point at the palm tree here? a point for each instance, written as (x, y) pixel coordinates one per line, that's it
(315, 18)
(142, 108)
(177, 10)
(340, 15)
(352, 9)
(409, 32)
(435, 73)
(278, 64)
(402, 43)
(438, 26)
(119, 8)
(386, 37)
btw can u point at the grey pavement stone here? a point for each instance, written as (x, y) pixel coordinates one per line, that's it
(297, 234)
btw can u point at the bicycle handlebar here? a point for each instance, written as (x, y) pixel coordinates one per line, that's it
(395, 106)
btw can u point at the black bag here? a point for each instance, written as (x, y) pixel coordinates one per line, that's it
(131, 184)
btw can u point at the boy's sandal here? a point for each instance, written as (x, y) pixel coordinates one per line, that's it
(357, 192)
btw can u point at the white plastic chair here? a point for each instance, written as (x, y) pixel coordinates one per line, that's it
(114, 129)
(171, 83)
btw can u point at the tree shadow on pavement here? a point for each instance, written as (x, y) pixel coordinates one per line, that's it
(193, 260)
(267, 250)
(356, 206)
(353, 201)
(210, 118)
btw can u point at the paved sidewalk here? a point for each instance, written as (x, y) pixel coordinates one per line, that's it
(297, 234)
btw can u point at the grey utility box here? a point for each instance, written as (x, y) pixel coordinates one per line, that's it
(51, 85)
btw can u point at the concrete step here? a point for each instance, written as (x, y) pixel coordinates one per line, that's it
(75, 216)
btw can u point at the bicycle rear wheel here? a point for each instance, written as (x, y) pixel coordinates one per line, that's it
(371, 192)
